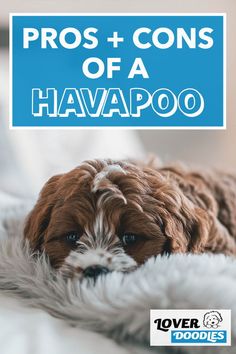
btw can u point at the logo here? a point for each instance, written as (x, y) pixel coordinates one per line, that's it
(113, 70)
(190, 327)
(212, 319)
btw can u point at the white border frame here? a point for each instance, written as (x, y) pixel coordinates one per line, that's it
(222, 14)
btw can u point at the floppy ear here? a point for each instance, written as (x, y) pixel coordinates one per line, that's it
(185, 224)
(190, 228)
(205, 317)
(38, 219)
(219, 316)
(200, 225)
(187, 227)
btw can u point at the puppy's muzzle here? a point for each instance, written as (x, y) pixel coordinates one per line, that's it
(94, 271)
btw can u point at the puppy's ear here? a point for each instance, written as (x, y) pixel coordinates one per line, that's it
(200, 225)
(38, 219)
(187, 227)
(219, 317)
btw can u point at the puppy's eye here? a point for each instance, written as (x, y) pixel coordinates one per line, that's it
(129, 239)
(72, 237)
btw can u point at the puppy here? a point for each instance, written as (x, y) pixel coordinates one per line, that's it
(212, 319)
(110, 215)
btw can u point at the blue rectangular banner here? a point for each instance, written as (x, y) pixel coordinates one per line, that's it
(107, 70)
(202, 337)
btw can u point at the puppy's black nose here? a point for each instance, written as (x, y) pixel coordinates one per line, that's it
(94, 271)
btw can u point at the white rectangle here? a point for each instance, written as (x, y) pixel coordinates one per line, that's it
(209, 327)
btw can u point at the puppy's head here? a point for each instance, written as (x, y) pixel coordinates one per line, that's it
(110, 215)
(212, 319)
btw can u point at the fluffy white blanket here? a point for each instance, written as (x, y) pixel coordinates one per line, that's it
(118, 305)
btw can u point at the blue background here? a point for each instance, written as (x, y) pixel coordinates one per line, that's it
(174, 340)
(175, 69)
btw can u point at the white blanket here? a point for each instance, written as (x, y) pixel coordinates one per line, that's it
(116, 306)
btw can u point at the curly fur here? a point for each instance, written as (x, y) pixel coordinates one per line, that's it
(172, 209)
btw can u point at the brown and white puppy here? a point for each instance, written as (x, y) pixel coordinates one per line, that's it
(113, 215)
